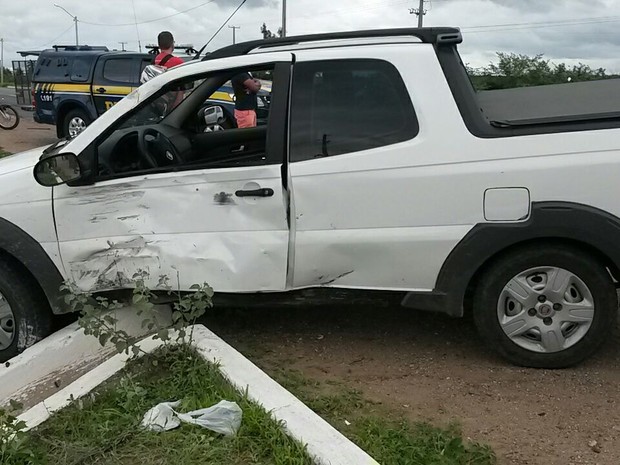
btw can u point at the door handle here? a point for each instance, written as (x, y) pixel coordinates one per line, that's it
(239, 149)
(101, 90)
(266, 192)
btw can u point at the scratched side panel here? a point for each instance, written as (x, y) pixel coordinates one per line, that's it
(229, 263)
(188, 224)
(396, 259)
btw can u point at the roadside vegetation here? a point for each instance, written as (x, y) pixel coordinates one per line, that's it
(105, 427)
(4, 153)
(389, 439)
(516, 70)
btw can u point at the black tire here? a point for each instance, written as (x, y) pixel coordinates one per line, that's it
(32, 315)
(76, 114)
(584, 266)
(11, 112)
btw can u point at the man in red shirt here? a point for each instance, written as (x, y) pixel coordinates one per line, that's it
(165, 57)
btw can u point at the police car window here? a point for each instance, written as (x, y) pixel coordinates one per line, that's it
(53, 69)
(118, 70)
(80, 70)
(344, 106)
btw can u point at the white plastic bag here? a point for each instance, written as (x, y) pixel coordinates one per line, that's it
(223, 417)
(162, 417)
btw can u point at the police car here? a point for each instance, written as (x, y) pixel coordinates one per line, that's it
(73, 85)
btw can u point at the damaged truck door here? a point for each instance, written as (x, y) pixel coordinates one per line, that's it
(170, 200)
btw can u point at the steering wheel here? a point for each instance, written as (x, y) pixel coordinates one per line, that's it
(156, 149)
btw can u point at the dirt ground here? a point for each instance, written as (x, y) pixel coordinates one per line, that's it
(428, 366)
(27, 135)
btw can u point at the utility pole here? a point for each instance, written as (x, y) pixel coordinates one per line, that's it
(123, 45)
(75, 20)
(283, 18)
(420, 12)
(1, 61)
(234, 28)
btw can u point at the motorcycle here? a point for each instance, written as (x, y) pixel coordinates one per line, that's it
(9, 118)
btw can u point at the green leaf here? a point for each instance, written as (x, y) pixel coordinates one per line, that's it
(103, 339)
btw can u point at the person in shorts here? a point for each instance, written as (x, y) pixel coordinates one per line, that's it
(245, 88)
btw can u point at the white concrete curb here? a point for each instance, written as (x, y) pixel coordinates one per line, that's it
(68, 350)
(82, 386)
(324, 443)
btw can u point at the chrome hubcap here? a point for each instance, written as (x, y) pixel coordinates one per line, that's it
(7, 324)
(545, 309)
(76, 125)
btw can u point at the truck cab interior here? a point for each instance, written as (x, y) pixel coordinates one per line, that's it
(182, 127)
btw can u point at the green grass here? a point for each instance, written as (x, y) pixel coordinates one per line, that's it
(389, 440)
(4, 153)
(105, 429)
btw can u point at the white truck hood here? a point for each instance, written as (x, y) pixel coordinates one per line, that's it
(17, 183)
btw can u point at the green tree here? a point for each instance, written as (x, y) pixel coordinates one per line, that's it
(516, 70)
(267, 34)
(8, 75)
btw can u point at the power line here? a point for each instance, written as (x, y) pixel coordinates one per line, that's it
(535, 25)
(362, 7)
(56, 38)
(149, 20)
(135, 19)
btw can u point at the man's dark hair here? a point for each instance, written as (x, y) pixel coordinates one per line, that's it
(165, 40)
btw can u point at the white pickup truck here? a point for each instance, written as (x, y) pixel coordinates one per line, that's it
(378, 175)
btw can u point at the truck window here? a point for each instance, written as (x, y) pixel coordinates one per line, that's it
(80, 71)
(118, 70)
(344, 106)
(52, 69)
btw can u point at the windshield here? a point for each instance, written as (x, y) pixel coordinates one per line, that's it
(161, 106)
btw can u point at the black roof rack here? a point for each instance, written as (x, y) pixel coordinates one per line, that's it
(80, 48)
(432, 35)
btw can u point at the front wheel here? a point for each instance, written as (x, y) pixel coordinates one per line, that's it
(546, 306)
(25, 316)
(75, 122)
(9, 118)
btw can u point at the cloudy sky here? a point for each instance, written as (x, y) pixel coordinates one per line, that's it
(572, 31)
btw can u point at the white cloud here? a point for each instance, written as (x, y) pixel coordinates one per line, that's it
(532, 26)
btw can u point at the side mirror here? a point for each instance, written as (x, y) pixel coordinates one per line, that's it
(57, 169)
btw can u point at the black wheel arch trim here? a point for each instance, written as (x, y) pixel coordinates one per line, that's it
(581, 224)
(28, 252)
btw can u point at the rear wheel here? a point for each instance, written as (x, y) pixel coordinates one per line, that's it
(25, 316)
(75, 122)
(546, 306)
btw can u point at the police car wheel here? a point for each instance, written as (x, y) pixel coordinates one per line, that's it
(75, 122)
